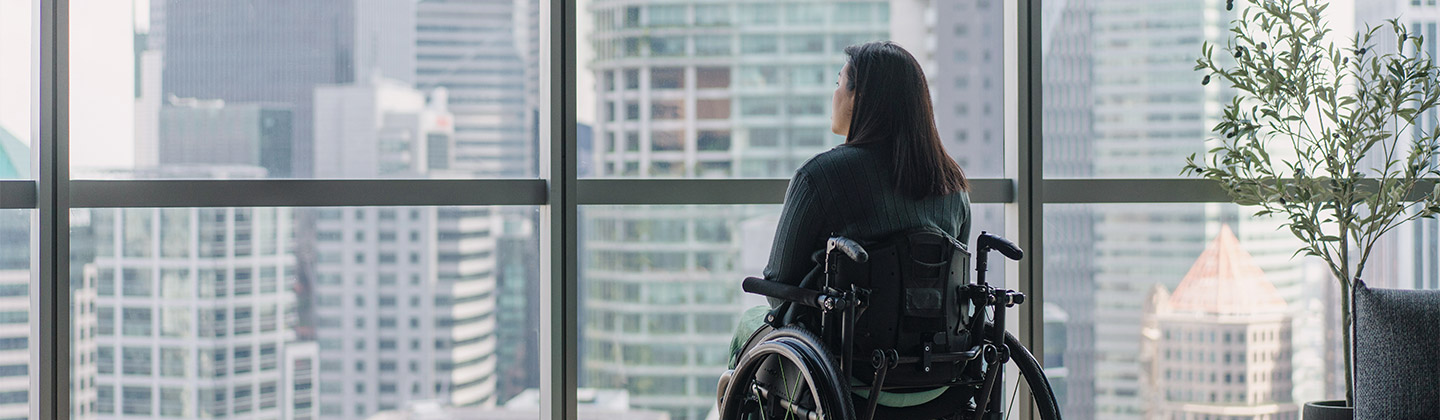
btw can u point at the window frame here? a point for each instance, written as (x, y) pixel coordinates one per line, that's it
(558, 191)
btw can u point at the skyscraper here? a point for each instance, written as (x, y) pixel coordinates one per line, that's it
(405, 296)
(1219, 347)
(470, 48)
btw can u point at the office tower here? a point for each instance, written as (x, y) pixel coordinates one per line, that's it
(470, 48)
(486, 53)
(684, 89)
(193, 309)
(405, 297)
(1219, 347)
(277, 51)
(213, 132)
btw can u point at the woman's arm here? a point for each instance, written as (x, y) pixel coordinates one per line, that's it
(799, 234)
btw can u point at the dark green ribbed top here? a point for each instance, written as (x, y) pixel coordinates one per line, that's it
(850, 191)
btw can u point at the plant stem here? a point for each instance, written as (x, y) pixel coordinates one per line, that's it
(1345, 312)
(1346, 321)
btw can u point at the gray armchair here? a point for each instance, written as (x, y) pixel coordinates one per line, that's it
(1397, 353)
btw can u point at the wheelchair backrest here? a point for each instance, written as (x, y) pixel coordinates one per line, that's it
(914, 281)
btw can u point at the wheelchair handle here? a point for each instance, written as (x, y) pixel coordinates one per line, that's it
(782, 291)
(851, 248)
(988, 241)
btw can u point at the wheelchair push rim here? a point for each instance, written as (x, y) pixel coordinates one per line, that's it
(815, 378)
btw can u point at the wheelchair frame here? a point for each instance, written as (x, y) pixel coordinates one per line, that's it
(840, 302)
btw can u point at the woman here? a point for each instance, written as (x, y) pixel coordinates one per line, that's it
(891, 174)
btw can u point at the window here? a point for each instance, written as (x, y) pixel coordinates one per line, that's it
(667, 15)
(712, 45)
(136, 361)
(712, 109)
(759, 44)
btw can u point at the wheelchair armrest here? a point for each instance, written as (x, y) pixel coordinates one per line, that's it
(781, 291)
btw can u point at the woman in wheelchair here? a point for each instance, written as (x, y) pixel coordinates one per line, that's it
(868, 278)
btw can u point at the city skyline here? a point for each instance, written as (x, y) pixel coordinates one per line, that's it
(1112, 110)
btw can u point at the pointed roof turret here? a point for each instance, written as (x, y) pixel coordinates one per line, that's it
(1225, 280)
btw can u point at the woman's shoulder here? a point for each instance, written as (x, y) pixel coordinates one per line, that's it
(839, 156)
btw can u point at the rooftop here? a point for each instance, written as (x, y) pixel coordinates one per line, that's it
(1225, 280)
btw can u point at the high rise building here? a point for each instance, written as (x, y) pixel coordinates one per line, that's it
(686, 89)
(193, 310)
(471, 48)
(1219, 347)
(486, 53)
(405, 297)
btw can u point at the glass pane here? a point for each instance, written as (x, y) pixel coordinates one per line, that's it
(18, 86)
(281, 89)
(661, 296)
(738, 89)
(17, 360)
(320, 313)
(1145, 305)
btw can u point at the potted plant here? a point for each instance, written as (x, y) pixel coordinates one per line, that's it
(1323, 136)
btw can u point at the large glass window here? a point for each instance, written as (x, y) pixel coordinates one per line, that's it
(782, 80)
(426, 89)
(1119, 277)
(426, 303)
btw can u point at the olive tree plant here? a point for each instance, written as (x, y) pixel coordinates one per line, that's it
(1350, 160)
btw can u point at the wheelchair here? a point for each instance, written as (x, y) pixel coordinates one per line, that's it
(900, 317)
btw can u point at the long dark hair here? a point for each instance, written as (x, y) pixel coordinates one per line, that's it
(892, 106)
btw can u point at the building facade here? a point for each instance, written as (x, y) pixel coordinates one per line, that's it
(405, 297)
(1220, 345)
(193, 310)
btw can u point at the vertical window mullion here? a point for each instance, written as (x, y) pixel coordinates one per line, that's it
(559, 291)
(52, 216)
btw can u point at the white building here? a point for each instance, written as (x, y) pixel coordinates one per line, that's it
(193, 312)
(404, 296)
(1219, 347)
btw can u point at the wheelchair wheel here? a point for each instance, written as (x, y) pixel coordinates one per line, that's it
(1035, 378)
(945, 404)
(788, 375)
